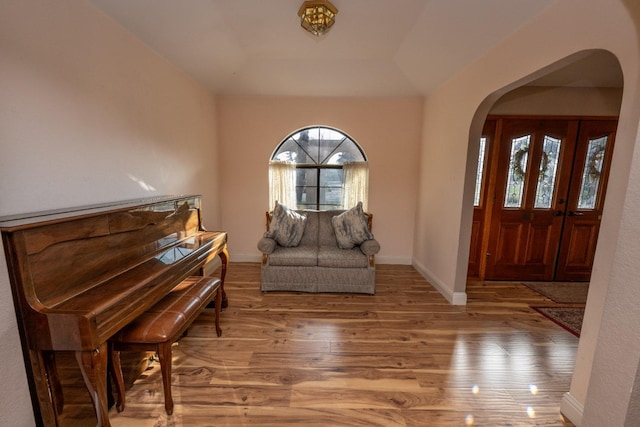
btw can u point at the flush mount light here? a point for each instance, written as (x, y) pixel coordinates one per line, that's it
(317, 16)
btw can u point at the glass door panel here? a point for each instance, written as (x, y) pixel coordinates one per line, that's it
(480, 170)
(548, 172)
(517, 171)
(591, 173)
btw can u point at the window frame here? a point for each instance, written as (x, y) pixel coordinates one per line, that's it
(345, 138)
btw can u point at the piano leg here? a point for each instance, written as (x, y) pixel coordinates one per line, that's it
(93, 365)
(57, 397)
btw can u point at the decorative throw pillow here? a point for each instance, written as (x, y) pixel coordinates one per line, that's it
(351, 227)
(286, 226)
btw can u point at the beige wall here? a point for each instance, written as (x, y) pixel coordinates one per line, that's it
(387, 129)
(609, 351)
(559, 101)
(89, 114)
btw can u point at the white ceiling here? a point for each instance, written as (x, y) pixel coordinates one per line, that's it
(376, 47)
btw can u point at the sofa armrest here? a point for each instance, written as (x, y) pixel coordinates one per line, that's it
(370, 247)
(267, 245)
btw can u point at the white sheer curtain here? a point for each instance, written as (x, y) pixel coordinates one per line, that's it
(355, 184)
(282, 184)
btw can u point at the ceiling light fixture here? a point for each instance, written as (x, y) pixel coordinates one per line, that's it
(317, 16)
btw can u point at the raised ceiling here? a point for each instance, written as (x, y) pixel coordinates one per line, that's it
(376, 47)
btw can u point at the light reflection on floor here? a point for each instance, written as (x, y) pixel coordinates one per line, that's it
(488, 366)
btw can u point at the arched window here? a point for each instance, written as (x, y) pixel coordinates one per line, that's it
(328, 164)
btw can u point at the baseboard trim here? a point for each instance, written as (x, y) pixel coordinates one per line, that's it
(245, 257)
(454, 298)
(398, 260)
(571, 408)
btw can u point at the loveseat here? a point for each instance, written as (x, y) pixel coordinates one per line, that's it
(318, 251)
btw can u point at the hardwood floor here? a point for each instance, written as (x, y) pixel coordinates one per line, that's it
(404, 357)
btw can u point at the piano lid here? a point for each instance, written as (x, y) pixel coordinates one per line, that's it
(15, 222)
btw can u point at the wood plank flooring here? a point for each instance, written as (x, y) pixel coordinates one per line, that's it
(404, 357)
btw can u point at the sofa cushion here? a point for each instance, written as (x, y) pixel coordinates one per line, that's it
(332, 256)
(286, 226)
(310, 235)
(351, 227)
(295, 256)
(326, 234)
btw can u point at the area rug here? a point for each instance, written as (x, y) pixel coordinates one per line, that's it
(561, 292)
(570, 318)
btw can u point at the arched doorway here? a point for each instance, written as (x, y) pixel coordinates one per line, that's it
(532, 219)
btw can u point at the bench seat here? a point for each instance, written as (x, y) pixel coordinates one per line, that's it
(161, 325)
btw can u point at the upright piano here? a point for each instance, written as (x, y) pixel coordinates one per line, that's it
(79, 275)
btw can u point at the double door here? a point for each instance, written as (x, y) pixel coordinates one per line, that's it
(548, 190)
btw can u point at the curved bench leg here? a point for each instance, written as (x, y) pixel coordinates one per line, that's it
(224, 257)
(164, 354)
(115, 367)
(218, 310)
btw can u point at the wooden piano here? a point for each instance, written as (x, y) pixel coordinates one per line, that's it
(80, 275)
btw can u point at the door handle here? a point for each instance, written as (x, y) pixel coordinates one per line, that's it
(575, 213)
(559, 213)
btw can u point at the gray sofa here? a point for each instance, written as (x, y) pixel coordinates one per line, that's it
(317, 263)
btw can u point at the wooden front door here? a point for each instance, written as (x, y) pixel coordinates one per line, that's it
(546, 211)
(585, 200)
(534, 168)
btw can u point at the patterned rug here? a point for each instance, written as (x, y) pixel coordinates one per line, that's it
(570, 318)
(561, 292)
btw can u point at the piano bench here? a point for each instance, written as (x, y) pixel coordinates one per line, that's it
(160, 326)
